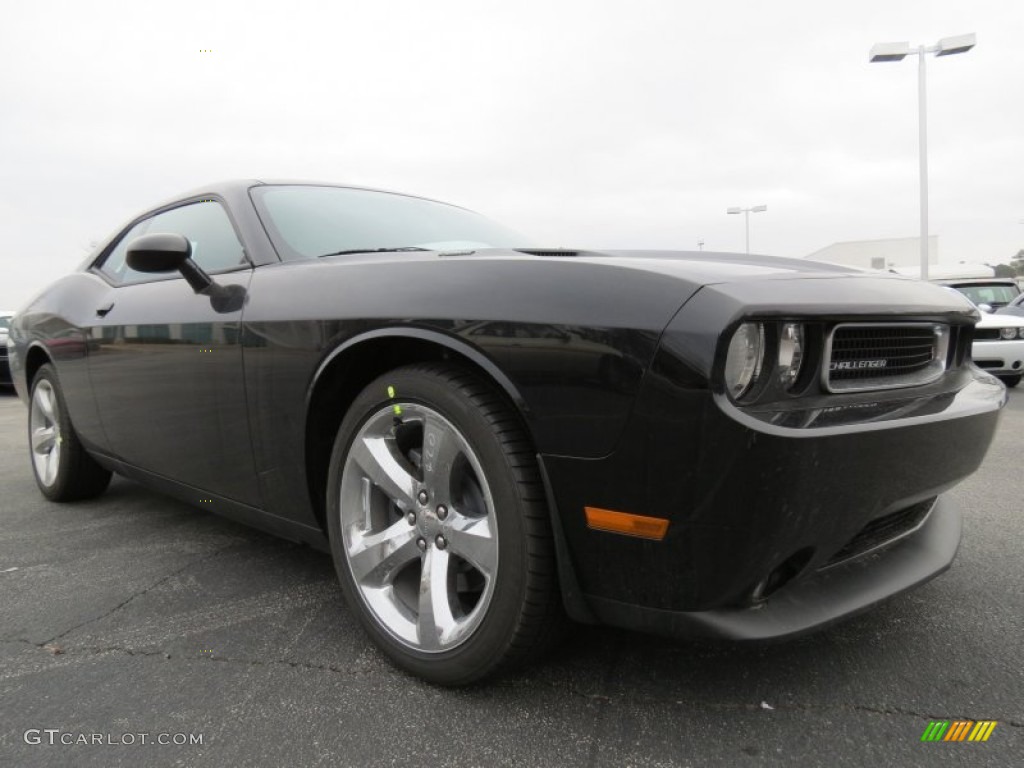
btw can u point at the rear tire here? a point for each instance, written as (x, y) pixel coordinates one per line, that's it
(1011, 381)
(63, 470)
(439, 528)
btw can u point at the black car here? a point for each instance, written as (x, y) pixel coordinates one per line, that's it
(489, 436)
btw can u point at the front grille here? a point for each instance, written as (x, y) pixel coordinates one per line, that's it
(876, 356)
(986, 334)
(883, 531)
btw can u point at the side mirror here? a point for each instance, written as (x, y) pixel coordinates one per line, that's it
(167, 252)
(160, 252)
(985, 308)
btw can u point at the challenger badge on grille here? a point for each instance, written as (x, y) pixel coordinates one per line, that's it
(865, 356)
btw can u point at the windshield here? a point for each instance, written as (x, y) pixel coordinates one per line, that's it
(310, 221)
(993, 294)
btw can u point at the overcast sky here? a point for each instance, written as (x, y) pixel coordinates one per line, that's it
(585, 124)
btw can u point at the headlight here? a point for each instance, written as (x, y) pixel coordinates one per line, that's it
(744, 358)
(791, 353)
(1020, 332)
(1008, 333)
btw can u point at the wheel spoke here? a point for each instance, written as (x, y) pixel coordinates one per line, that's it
(366, 499)
(376, 457)
(45, 400)
(44, 433)
(50, 467)
(377, 557)
(436, 622)
(43, 439)
(471, 539)
(441, 446)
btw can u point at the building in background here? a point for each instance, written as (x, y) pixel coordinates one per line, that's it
(889, 253)
(898, 254)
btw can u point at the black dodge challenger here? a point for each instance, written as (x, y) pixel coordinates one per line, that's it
(489, 437)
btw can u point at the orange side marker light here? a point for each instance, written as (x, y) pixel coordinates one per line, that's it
(625, 523)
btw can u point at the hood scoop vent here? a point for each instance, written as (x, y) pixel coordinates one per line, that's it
(556, 252)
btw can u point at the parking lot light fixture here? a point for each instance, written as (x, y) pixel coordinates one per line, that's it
(882, 52)
(746, 215)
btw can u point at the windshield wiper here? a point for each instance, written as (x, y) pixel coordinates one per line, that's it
(373, 250)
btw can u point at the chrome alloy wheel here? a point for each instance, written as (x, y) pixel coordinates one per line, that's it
(418, 526)
(44, 433)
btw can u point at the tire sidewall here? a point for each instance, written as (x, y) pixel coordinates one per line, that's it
(488, 643)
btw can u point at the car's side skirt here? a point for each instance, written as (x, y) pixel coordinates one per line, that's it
(233, 510)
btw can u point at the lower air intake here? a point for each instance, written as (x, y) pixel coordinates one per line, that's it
(883, 531)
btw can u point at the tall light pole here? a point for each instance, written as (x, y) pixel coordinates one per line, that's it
(897, 52)
(746, 215)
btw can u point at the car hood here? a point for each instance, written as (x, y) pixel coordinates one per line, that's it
(712, 267)
(633, 289)
(1000, 321)
(700, 267)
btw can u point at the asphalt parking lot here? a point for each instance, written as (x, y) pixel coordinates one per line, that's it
(135, 614)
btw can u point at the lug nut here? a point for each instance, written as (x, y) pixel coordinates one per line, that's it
(421, 543)
(442, 511)
(422, 497)
(441, 541)
(411, 517)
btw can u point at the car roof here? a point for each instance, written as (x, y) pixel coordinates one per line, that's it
(230, 187)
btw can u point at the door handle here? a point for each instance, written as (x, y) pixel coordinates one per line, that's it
(102, 311)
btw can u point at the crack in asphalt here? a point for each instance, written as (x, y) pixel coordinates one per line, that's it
(603, 700)
(606, 701)
(140, 593)
(137, 652)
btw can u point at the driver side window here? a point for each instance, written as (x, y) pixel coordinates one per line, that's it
(215, 246)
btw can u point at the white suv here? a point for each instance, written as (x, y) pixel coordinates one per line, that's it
(999, 346)
(998, 338)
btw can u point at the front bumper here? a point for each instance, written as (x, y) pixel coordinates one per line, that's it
(760, 510)
(817, 600)
(999, 357)
(783, 513)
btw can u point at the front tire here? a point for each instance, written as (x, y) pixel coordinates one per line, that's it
(438, 526)
(1011, 381)
(64, 471)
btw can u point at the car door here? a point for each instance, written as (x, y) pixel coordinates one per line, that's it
(166, 362)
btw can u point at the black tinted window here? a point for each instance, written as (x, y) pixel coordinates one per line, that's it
(215, 246)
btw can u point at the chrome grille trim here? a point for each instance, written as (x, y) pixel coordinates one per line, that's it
(884, 355)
